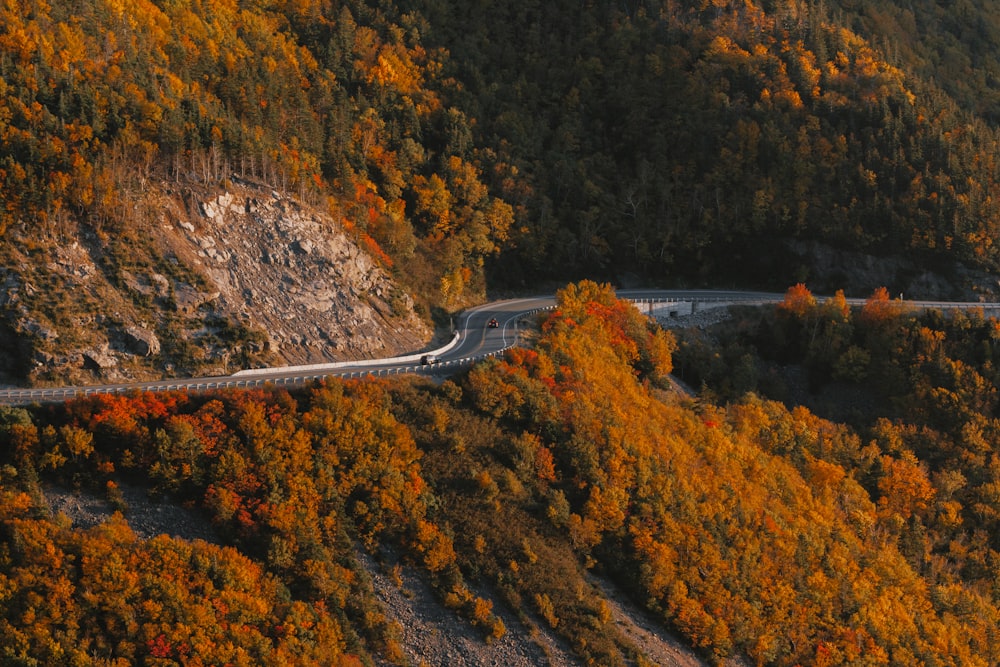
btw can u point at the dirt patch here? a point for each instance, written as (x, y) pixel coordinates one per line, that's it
(146, 517)
(434, 635)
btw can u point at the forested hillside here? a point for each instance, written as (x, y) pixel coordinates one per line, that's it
(690, 137)
(112, 115)
(831, 497)
(339, 104)
(751, 529)
(681, 140)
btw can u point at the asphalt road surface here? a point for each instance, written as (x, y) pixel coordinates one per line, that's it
(473, 340)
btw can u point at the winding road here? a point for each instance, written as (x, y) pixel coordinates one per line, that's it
(473, 341)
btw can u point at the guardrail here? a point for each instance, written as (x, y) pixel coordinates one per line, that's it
(352, 364)
(300, 375)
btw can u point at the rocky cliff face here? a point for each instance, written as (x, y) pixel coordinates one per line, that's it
(290, 270)
(223, 279)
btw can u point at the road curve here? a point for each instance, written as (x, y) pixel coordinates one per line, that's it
(473, 341)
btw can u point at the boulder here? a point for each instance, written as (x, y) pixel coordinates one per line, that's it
(141, 341)
(99, 359)
(188, 299)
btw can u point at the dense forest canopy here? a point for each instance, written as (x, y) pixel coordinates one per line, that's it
(668, 138)
(665, 136)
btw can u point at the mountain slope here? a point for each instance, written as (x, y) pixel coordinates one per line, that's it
(512, 142)
(758, 532)
(215, 280)
(691, 138)
(105, 108)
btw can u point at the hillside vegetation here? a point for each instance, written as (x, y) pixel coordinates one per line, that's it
(751, 529)
(682, 140)
(690, 136)
(337, 103)
(831, 497)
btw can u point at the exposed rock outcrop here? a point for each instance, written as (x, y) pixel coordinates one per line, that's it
(291, 271)
(222, 279)
(141, 341)
(99, 359)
